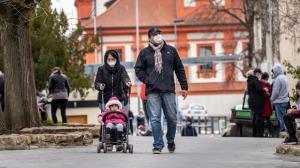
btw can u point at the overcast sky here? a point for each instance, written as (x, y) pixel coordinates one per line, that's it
(69, 9)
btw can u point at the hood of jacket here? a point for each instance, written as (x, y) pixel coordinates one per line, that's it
(277, 70)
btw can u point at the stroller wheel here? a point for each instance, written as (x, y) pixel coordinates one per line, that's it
(104, 148)
(124, 148)
(99, 147)
(130, 148)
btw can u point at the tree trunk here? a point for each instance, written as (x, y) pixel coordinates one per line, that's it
(250, 46)
(20, 100)
(2, 121)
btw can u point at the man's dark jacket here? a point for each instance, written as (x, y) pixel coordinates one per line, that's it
(163, 82)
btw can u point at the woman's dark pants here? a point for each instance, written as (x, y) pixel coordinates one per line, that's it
(62, 103)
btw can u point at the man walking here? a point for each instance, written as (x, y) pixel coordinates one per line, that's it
(155, 67)
(280, 95)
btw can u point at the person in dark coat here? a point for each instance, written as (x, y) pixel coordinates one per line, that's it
(267, 112)
(111, 79)
(188, 129)
(130, 118)
(256, 101)
(289, 120)
(155, 67)
(2, 91)
(59, 88)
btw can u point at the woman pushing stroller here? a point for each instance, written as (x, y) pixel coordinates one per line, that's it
(112, 80)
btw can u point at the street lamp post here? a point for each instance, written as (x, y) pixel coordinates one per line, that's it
(176, 21)
(137, 48)
(95, 30)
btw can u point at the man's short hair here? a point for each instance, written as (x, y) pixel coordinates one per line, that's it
(257, 70)
(56, 69)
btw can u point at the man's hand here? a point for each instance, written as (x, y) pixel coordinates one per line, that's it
(184, 94)
(266, 89)
(129, 84)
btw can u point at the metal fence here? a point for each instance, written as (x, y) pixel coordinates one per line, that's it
(206, 125)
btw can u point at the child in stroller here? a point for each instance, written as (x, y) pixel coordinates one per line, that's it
(114, 126)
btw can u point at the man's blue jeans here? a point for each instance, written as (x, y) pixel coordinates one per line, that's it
(157, 102)
(280, 109)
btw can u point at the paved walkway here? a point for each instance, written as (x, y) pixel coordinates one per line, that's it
(202, 151)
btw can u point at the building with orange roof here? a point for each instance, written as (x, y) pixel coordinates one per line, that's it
(193, 27)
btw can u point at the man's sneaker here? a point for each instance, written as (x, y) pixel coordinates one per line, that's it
(171, 147)
(290, 141)
(156, 151)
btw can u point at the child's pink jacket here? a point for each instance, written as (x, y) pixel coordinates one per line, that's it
(113, 118)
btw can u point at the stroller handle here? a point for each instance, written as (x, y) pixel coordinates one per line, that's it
(114, 112)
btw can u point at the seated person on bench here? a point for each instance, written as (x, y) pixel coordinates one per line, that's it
(289, 120)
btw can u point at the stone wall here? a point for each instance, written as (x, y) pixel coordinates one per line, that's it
(289, 149)
(50, 136)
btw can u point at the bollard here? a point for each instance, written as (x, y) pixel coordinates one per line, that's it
(212, 125)
(205, 122)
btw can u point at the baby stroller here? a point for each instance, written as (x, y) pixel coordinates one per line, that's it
(114, 136)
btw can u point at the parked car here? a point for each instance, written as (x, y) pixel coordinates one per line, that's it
(241, 115)
(194, 111)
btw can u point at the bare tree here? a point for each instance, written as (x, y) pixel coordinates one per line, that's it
(289, 12)
(245, 12)
(20, 101)
(235, 12)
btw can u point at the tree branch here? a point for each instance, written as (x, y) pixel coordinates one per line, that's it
(234, 16)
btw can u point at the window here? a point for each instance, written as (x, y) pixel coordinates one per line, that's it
(206, 51)
(206, 70)
(189, 3)
(121, 52)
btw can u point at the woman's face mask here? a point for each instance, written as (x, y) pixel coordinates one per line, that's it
(158, 39)
(111, 61)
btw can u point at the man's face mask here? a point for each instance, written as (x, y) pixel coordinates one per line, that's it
(111, 63)
(158, 39)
